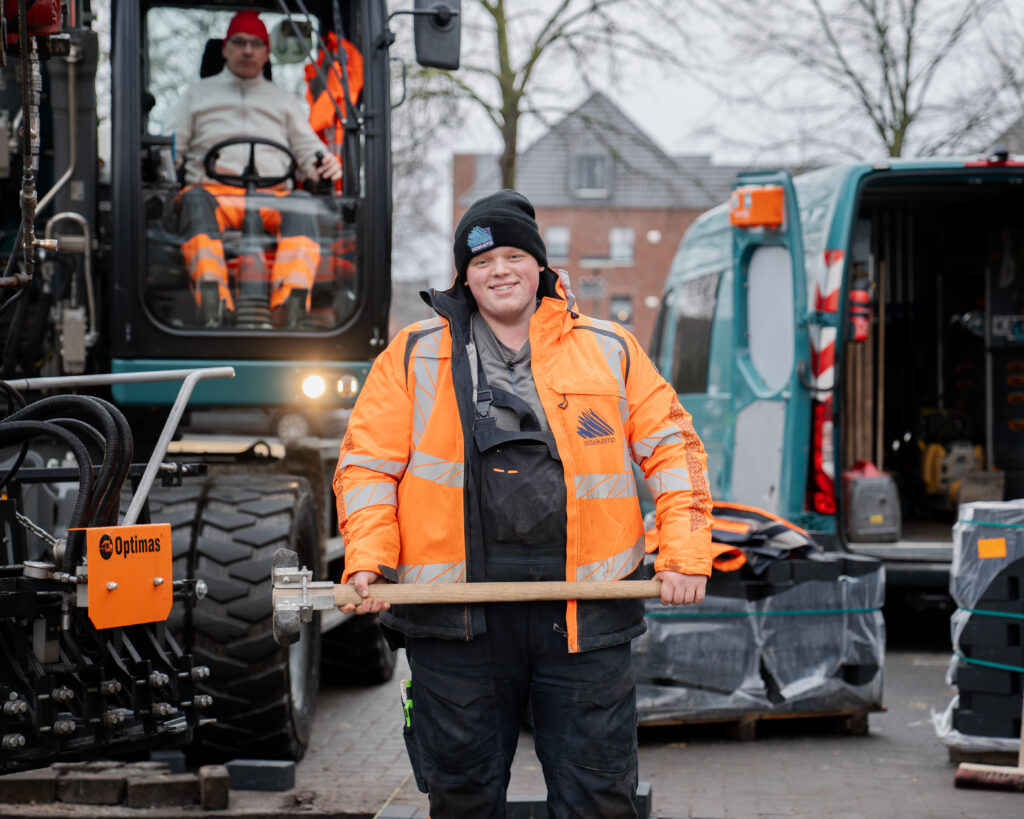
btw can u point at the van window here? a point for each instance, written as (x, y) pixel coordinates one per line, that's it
(770, 314)
(687, 333)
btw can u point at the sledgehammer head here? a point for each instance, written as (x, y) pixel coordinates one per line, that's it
(287, 626)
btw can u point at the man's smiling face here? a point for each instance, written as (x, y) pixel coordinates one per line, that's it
(503, 280)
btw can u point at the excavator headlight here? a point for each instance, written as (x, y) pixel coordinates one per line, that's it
(348, 386)
(313, 386)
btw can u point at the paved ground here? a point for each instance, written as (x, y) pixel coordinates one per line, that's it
(356, 758)
(356, 761)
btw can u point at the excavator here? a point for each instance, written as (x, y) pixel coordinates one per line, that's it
(110, 336)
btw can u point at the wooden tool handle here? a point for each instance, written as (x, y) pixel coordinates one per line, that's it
(402, 593)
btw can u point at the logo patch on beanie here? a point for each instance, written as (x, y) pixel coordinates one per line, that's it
(479, 239)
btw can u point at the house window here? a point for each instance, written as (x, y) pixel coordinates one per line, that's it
(592, 176)
(620, 309)
(556, 239)
(620, 244)
(589, 287)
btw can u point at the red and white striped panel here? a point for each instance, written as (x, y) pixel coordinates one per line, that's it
(823, 339)
(830, 280)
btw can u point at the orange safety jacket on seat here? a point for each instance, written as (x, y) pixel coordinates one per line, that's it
(405, 491)
(326, 101)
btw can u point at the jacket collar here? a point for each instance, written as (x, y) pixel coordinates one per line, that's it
(231, 78)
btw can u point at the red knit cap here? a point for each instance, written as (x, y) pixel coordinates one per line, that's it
(248, 22)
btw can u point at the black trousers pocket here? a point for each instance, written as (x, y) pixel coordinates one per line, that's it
(412, 748)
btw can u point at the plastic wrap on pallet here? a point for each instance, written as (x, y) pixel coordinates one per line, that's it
(985, 581)
(974, 566)
(952, 738)
(811, 640)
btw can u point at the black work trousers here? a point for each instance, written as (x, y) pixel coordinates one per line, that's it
(469, 699)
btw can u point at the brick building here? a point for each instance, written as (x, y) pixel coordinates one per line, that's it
(611, 205)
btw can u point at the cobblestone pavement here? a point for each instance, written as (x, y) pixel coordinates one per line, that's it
(356, 764)
(899, 769)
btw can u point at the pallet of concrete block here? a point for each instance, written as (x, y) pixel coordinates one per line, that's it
(805, 636)
(987, 629)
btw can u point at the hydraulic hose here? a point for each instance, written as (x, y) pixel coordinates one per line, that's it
(15, 401)
(16, 431)
(104, 499)
(13, 342)
(122, 461)
(86, 433)
(89, 500)
(79, 406)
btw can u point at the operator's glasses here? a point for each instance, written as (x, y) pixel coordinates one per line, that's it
(241, 42)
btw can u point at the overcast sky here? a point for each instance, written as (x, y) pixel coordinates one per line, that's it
(681, 113)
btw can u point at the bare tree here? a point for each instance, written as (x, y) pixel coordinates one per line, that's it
(852, 73)
(418, 169)
(519, 55)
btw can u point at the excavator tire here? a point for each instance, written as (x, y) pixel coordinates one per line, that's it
(226, 529)
(356, 653)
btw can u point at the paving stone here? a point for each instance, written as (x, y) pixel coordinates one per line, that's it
(162, 790)
(398, 812)
(261, 774)
(27, 787)
(644, 799)
(214, 787)
(94, 766)
(174, 760)
(526, 806)
(86, 788)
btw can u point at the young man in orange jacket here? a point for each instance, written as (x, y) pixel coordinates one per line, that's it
(494, 443)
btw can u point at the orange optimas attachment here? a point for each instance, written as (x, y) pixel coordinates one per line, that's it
(756, 206)
(130, 574)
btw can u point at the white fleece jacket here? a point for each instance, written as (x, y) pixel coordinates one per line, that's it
(226, 105)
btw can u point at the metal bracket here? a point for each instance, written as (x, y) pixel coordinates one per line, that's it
(295, 590)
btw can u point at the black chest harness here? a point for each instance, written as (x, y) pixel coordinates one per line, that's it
(521, 490)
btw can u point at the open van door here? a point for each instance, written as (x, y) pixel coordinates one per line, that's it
(771, 407)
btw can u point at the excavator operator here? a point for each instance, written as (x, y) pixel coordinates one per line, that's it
(241, 139)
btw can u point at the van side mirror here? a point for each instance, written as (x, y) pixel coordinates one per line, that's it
(437, 33)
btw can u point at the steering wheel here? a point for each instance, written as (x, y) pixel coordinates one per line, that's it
(249, 178)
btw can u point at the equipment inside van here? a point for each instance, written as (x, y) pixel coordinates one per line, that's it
(859, 368)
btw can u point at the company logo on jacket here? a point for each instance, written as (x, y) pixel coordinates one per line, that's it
(594, 429)
(479, 239)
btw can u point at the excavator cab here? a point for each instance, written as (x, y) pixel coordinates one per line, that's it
(236, 238)
(289, 277)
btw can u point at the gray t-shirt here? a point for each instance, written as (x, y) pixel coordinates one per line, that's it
(508, 370)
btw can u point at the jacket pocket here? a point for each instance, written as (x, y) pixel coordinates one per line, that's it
(604, 623)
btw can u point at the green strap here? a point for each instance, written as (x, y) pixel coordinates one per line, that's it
(407, 702)
(988, 613)
(992, 523)
(700, 614)
(990, 664)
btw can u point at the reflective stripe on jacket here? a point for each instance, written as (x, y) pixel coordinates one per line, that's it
(406, 507)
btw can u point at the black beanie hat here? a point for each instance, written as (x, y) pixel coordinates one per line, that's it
(503, 219)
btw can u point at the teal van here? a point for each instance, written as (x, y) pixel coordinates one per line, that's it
(850, 343)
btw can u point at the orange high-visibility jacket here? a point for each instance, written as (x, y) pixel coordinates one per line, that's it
(404, 484)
